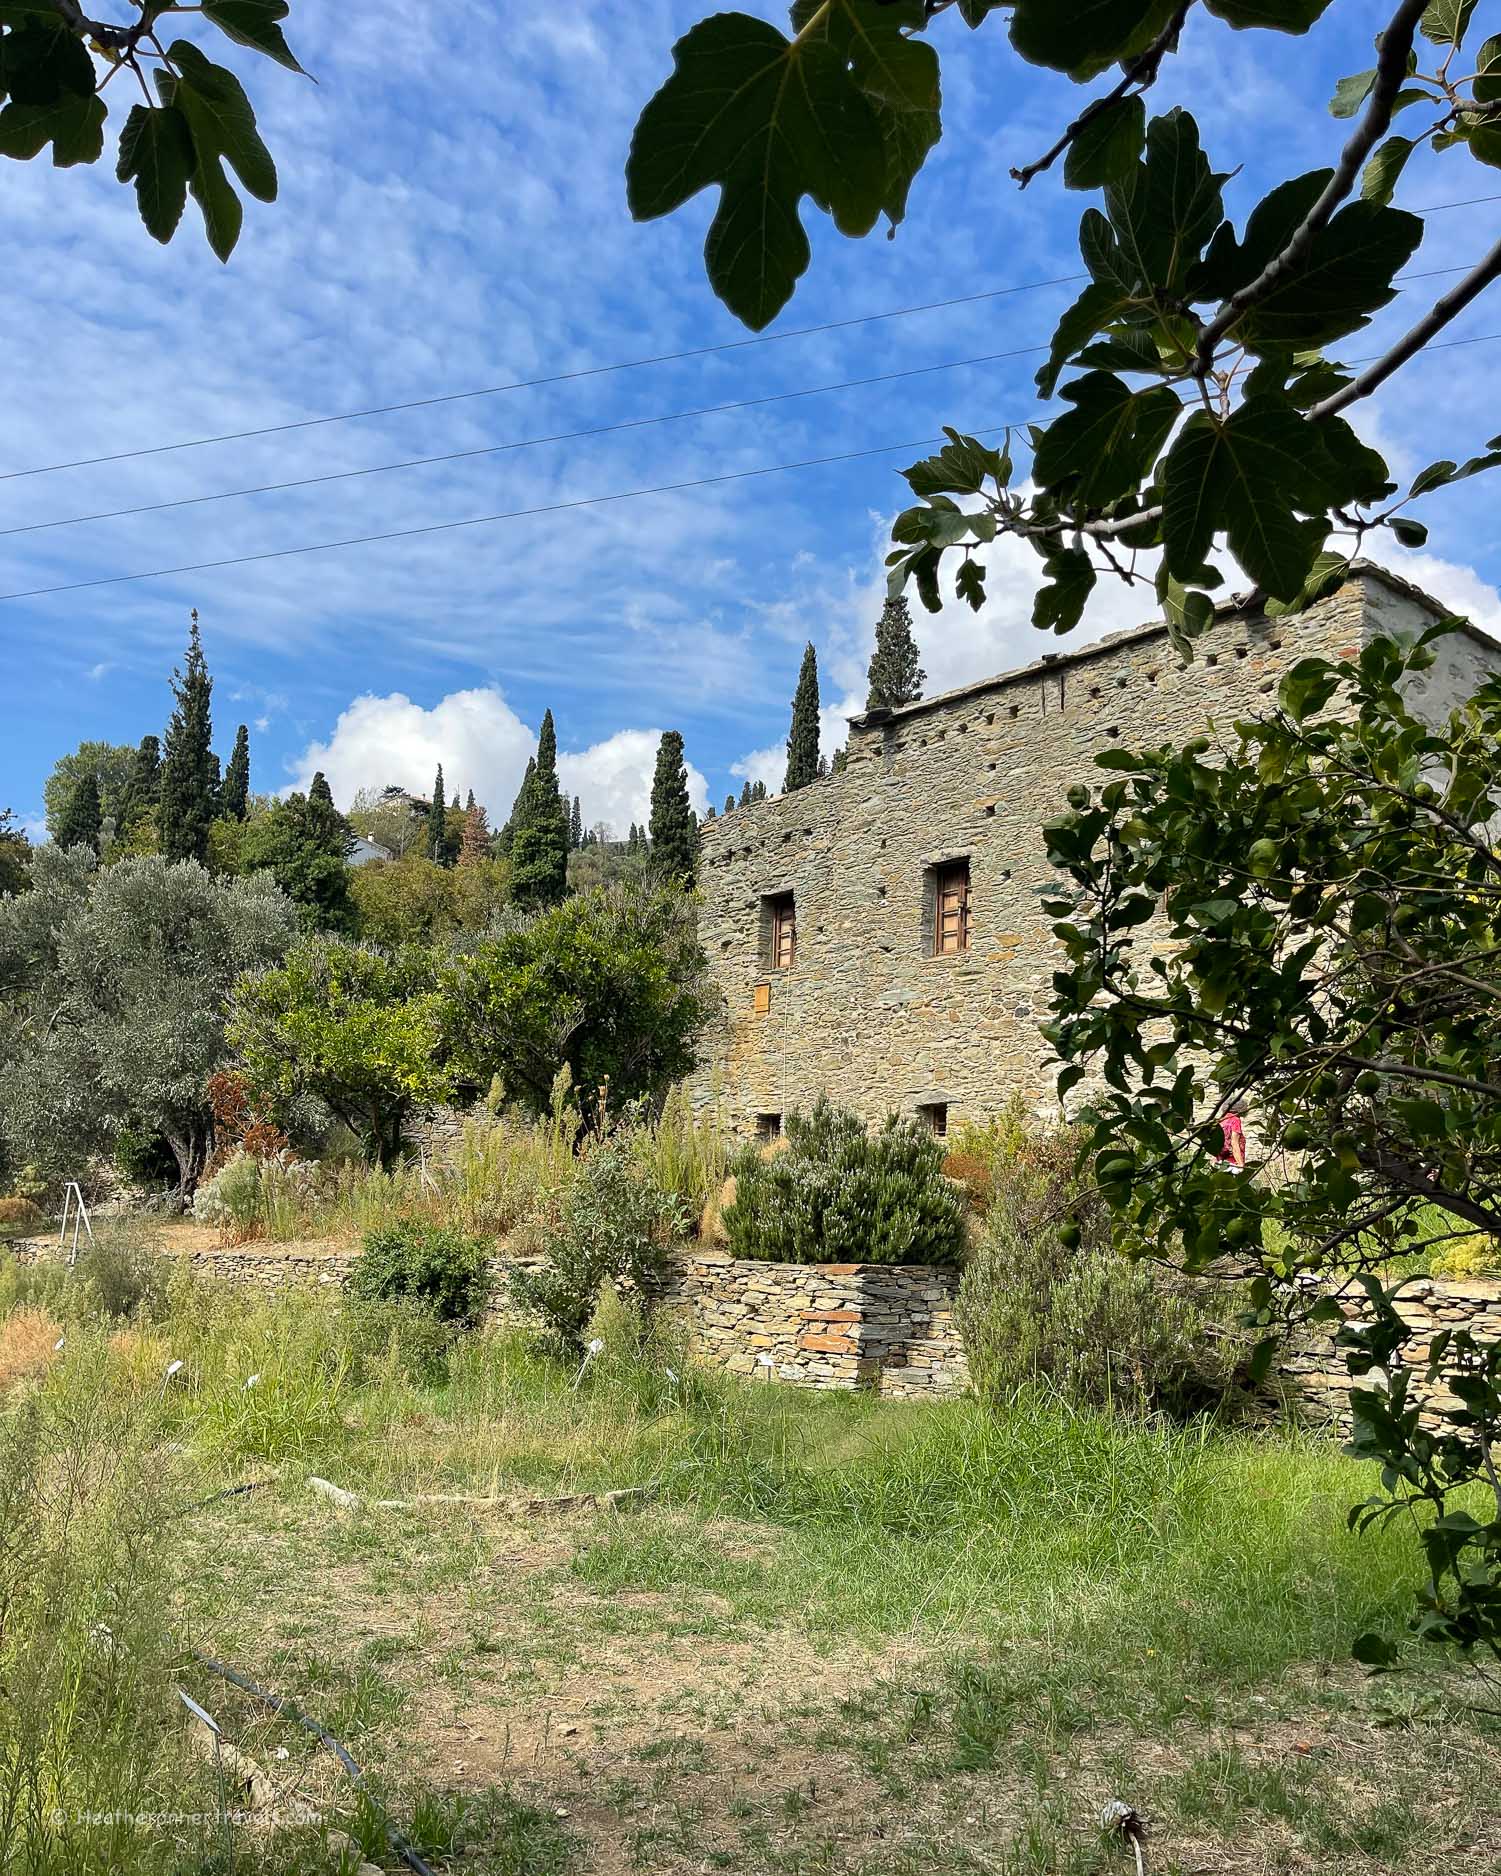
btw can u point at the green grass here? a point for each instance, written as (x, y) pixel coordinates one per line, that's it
(989, 1597)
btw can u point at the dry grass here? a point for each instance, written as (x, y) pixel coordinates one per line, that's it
(28, 1346)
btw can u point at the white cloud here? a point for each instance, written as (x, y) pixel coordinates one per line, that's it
(482, 744)
(613, 779)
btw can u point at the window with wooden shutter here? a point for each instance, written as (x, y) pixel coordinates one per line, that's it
(951, 908)
(783, 932)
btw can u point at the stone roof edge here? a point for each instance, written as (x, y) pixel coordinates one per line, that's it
(1238, 603)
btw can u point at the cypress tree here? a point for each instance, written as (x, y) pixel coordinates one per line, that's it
(674, 831)
(758, 793)
(234, 799)
(437, 826)
(745, 795)
(802, 739)
(729, 804)
(576, 825)
(319, 790)
(841, 757)
(188, 780)
(896, 678)
(81, 823)
(507, 835)
(539, 841)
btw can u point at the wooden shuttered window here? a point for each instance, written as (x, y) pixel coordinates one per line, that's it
(783, 932)
(951, 908)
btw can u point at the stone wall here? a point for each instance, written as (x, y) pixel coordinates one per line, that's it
(866, 1014)
(879, 1326)
(1315, 1371)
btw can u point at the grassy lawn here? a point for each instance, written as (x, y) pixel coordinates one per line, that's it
(844, 1635)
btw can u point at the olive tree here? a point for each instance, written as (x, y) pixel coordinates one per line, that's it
(1204, 406)
(116, 992)
(1306, 920)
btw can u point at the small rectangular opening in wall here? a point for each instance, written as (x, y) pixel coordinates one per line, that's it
(935, 1117)
(768, 1126)
(763, 999)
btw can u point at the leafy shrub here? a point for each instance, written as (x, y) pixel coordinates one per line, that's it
(1475, 1255)
(402, 1337)
(1078, 1317)
(434, 1265)
(838, 1194)
(144, 1158)
(971, 1172)
(614, 1228)
(123, 1277)
(249, 1194)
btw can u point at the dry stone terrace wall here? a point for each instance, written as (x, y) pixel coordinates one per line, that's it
(865, 1014)
(1316, 1371)
(878, 1326)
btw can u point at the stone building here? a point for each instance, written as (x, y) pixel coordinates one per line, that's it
(877, 936)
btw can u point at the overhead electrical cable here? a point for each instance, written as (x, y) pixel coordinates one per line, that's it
(547, 508)
(598, 371)
(559, 436)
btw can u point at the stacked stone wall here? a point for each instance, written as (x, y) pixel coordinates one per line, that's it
(878, 1326)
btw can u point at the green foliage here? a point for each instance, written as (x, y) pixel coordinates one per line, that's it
(303, 843)
(895, 676)
(1325, 908)
(1183, 315)
(614, 1229)
(674, 827)
(121, 979)
(414, 901)
(57, 62)
(610, 984)
(109, 765)
(234, 796)
(538, 829)
(448, 1273)
(81, 822)
(187, 803)
(1046, 1299)
(802, 738)
(437, 823)
(838, 1194)
(15, 855)
(355, 1028)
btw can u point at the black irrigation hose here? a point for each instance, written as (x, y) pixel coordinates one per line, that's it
(287, 1710)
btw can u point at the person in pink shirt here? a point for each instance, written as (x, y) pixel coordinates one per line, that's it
(1233, 1136)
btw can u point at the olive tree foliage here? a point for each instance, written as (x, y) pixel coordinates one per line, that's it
(1307, 919)
(189, 116)
(1203, 406)
(115, 989)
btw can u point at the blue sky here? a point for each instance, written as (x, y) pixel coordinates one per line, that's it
(452, 215)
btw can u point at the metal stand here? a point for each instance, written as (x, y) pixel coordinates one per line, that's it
(74, 1207)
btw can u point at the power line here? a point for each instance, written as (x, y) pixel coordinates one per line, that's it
(599, 371)
(562, 436)
(530, 442)
(557, 377)
(547, 508)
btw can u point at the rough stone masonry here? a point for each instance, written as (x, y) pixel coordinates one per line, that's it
(855, 879)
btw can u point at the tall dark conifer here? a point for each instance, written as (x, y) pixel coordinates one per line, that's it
(576, 824)
(234, 796)
(437, 823)
(539, 840)
(745, 795)
(189, 779)
(802, 739)
(81, 823)
(319, 790)
(674, 831)
(896, 678)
